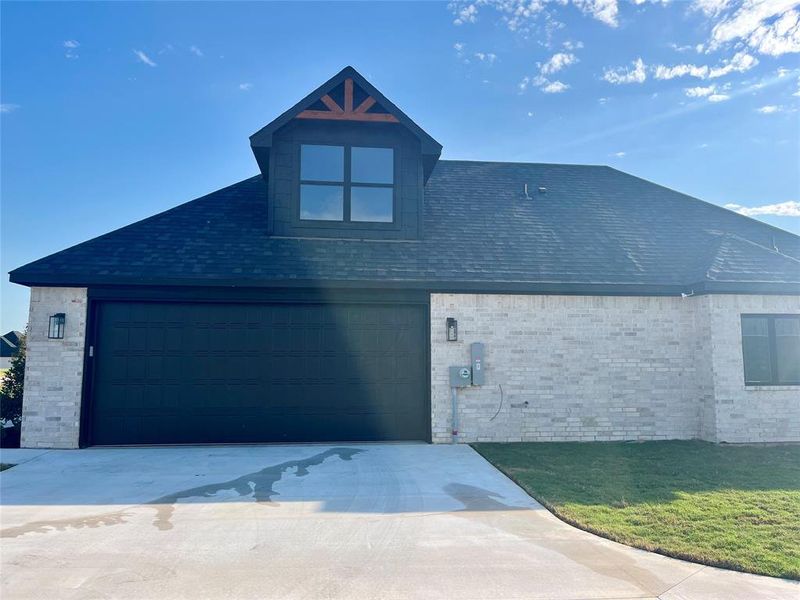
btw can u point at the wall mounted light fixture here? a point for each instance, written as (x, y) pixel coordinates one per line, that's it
(452, 329)
(55, 329)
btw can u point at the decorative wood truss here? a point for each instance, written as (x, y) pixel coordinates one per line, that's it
(335, 112)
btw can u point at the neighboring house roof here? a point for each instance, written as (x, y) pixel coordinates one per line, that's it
(9, 343)
(594, 230)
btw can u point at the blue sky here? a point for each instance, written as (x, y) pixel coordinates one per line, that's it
(112, 112)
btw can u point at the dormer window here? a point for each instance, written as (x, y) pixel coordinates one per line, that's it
(351, 184)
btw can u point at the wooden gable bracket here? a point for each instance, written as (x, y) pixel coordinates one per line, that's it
(348, 113)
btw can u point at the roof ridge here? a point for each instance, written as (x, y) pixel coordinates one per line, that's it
(775, 250)
(716, 258)
(724, 249)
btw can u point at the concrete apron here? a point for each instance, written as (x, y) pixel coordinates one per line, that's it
(350, 521)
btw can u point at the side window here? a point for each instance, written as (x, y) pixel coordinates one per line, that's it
(771, 349)
(346, 184)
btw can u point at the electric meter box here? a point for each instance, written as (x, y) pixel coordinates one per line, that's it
(460, 377)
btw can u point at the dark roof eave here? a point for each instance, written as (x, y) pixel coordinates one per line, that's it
(437, 286)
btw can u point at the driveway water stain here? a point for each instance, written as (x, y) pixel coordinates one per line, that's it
(91, 522)
(477, 499)
(259, 483)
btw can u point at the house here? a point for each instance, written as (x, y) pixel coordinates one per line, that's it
(328, 297)
(9, 345)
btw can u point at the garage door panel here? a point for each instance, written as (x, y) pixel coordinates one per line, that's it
(188, 373)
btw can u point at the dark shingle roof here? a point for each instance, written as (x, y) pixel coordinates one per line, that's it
(594, 229)
(9, 343)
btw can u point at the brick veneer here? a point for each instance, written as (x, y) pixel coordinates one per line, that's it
(54, 370)
(607, 368)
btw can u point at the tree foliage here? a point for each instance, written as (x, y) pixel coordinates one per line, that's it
(12, 385)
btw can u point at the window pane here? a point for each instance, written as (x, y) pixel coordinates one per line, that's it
(322, 202)
(371, 204)
(787, 347)
(789, 326)
(755, 326)
(372, 165)
(321, 163)
(755, 346)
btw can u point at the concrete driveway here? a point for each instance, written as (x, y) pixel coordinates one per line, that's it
(371, 521)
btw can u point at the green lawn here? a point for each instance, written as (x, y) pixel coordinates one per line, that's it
(730, 506)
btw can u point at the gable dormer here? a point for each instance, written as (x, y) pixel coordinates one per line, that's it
(345, 162)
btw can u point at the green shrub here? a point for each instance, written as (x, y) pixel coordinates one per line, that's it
(11, 387)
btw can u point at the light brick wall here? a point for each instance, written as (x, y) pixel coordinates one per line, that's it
(704, 370)
(54, 370)
(589, 368)
(748, 413)
(606, 368)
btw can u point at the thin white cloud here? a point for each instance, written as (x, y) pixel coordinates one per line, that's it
(464, 14)
(711, 93)
(246, 87)
(700, 92)
(769, 109)
(711, 8)
(570, 45)
(740, 62)
(460, 48)
(554, 64)
(196, 51)
(521, 16)
(620, 75)
(665, 72)
(554, 87)
(770, 27)
(557, 62)
(143, 58)
(636, 124)
(782, 209)
(71, 49)
(605, 11)
(7, 108)
(486, 57)
(620, 154)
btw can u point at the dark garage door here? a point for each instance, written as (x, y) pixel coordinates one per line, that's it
(192, 373)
